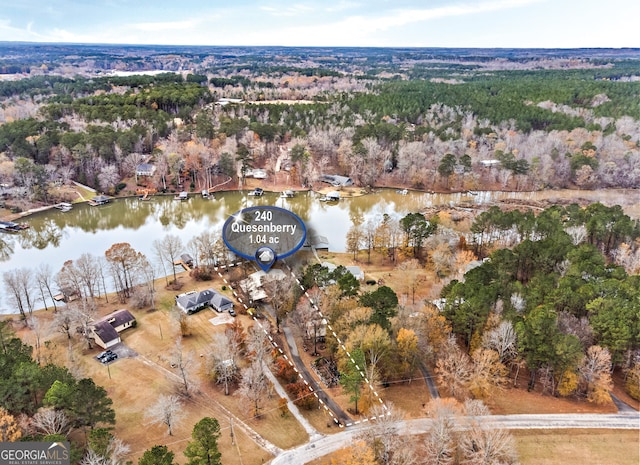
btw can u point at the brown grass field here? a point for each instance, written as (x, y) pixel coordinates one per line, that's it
(134, 383)
(566, 447)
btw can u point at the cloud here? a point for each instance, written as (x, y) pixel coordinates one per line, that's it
(160, 26)
(297, 9)
(403, 17)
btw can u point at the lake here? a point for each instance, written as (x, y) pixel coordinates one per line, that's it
(56, 236)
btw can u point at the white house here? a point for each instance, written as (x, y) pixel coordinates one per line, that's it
(145, 169)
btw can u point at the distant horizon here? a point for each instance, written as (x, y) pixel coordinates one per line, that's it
(487, 24)
(426, 47)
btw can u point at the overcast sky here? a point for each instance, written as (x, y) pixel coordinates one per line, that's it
(387, 23)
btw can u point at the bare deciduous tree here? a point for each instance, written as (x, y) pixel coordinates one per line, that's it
(453, 368)
(439, 445)
(184, 364)
(484, 443)
(258, 346)
(595, 374)
(88, 268)
(384, 437)
(115, 454)
(167, 410)
(51, 421)
(225, 351)
(83, 314)
(502, 339)
(167, 251)
(44, 279)
(124, 261)
(280, 296)
(253, 386)
(19, 286)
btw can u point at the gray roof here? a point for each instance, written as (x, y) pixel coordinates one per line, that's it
(220, 301)
(195, 299)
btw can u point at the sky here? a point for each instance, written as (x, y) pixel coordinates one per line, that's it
(362, 23)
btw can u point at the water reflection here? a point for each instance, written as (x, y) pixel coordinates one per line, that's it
(55, 236)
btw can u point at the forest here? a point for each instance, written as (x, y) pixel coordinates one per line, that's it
(413, 118)
(550, 295)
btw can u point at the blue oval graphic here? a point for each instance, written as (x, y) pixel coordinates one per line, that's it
(255, 228)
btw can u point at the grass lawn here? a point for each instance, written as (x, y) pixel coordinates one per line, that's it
(578, 447)
(566, 447)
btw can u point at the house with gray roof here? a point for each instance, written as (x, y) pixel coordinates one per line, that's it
(336, 180)
(193, 301)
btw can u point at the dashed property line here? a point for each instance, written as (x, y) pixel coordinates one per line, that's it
(275, 345)
(360, 370)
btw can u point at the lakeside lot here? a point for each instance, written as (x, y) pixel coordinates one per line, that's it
(134, 382)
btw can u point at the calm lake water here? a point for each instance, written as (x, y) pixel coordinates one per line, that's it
(55, 237)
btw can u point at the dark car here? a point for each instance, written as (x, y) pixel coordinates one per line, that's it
(232, 312)
(109, 358)
(104, 354)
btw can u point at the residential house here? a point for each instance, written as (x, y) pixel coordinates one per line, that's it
(145, 169)
(336, 180)
(193, 301)
(220, 303)
(253, 284)
(356, 271)
(106, 331)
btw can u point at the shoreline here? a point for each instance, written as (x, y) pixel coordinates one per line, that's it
(350, 191)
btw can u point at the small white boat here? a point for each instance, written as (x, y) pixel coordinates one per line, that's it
(402, 191)
(288, 194)
(330, 197)
(64, 206)
(257, 192)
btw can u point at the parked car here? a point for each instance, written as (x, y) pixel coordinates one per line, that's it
(232, 312)
(109, 358)
(104, 354)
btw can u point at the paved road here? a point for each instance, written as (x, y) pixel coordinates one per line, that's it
(328, 444)
(428, 379)
(340, 414)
